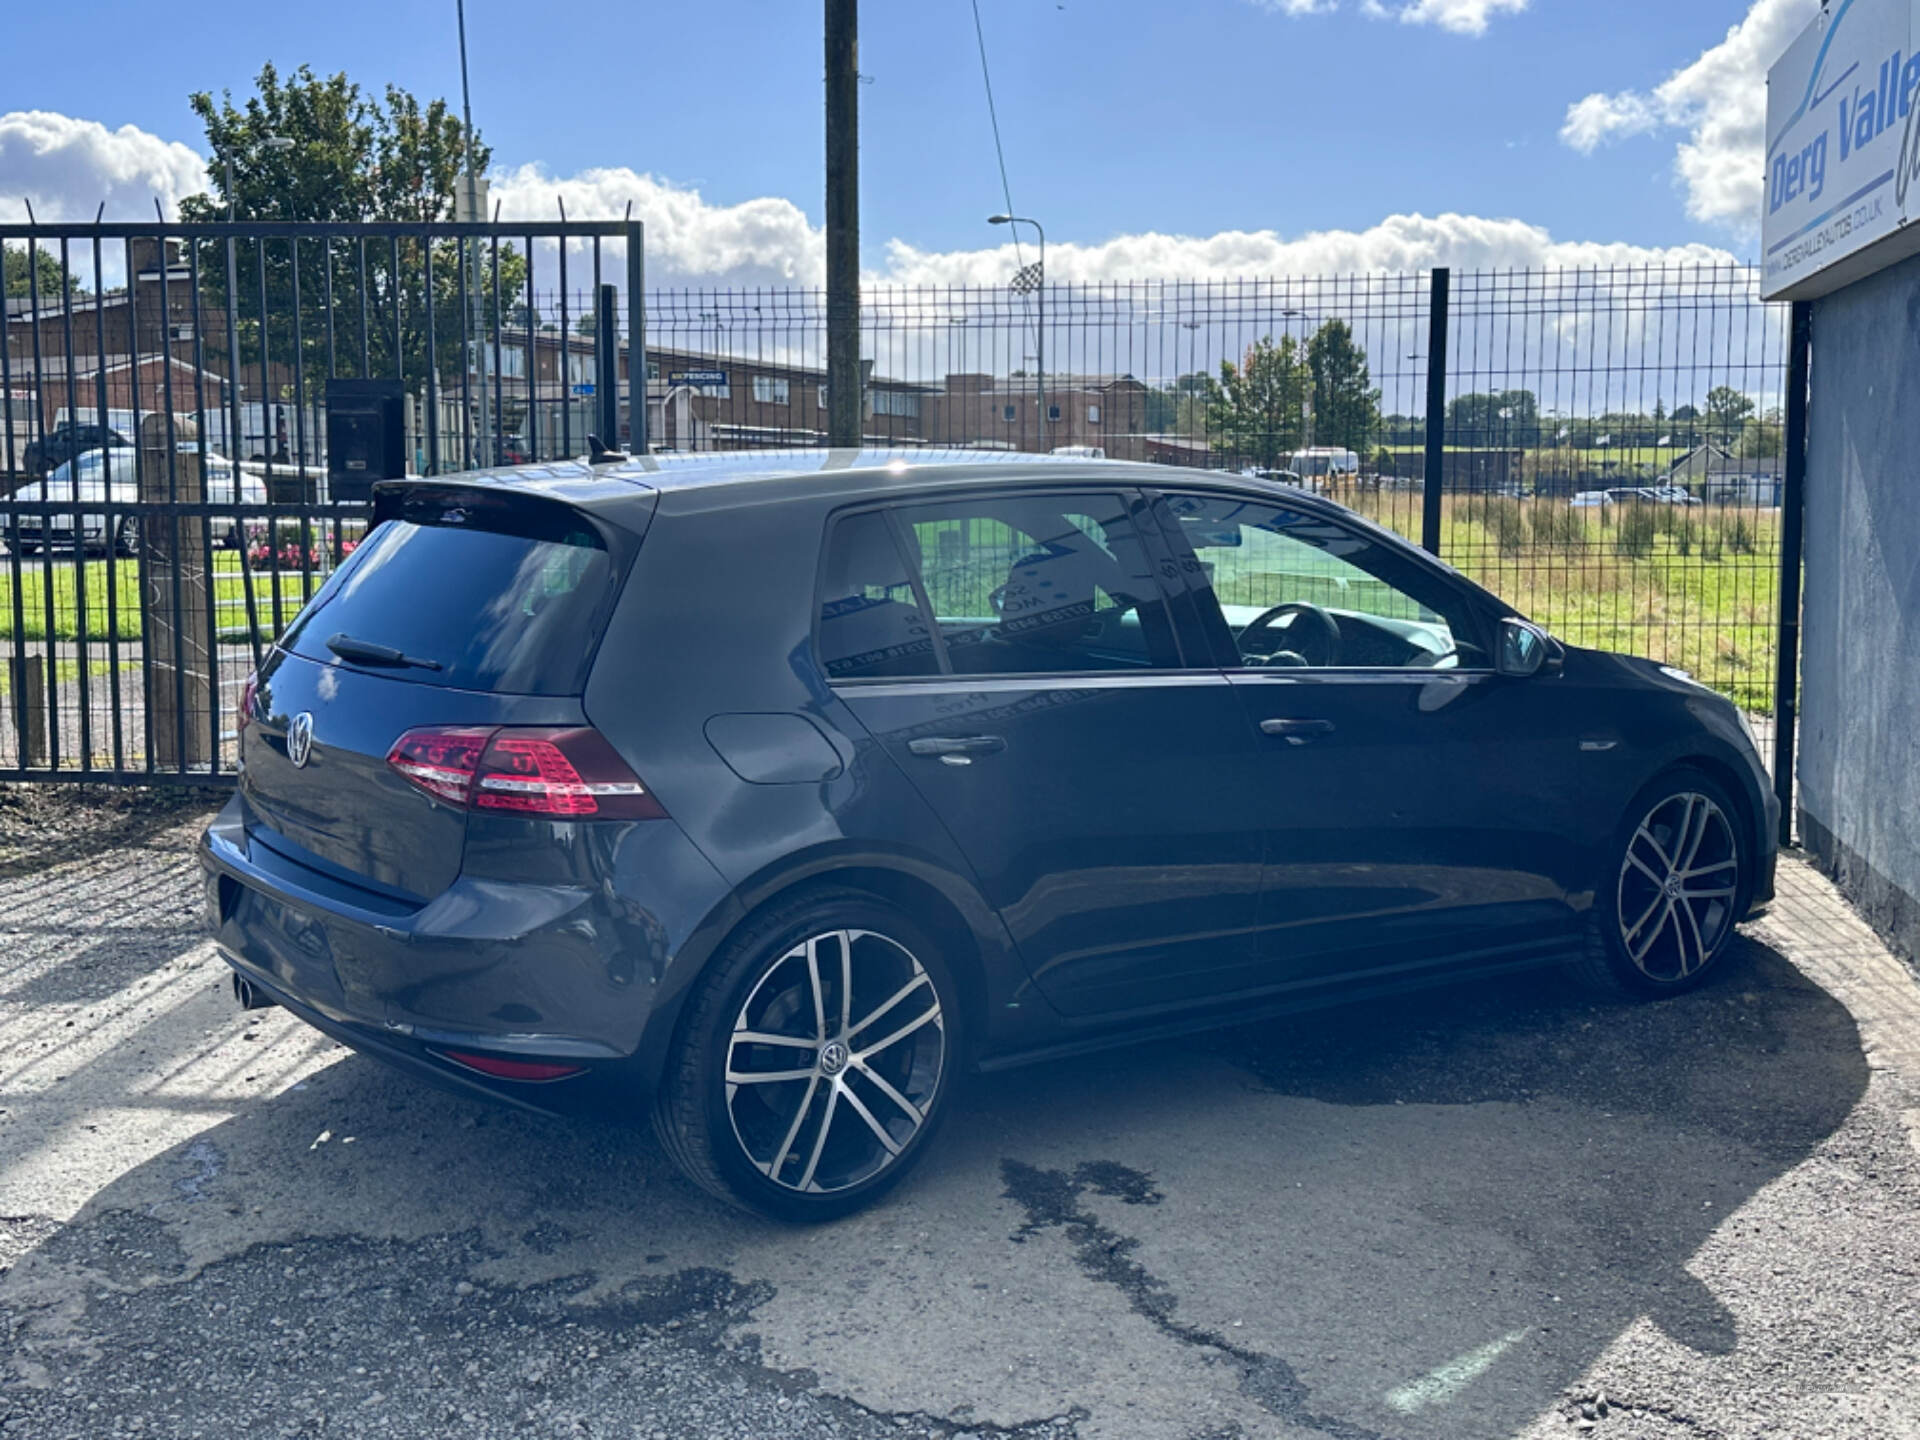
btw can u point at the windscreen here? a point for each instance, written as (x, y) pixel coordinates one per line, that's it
(493, 609)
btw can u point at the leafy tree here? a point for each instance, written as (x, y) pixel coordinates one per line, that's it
(1501, 417)
(1346, 407)
(1684, 415)
(352, 159)
(1260, 412)
(46, 264)
(1727, 413)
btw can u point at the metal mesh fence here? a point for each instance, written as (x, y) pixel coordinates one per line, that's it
(1607, 444)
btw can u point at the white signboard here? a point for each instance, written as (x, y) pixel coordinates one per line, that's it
(1843, 149)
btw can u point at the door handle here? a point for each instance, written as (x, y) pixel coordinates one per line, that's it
(1297, 732)
(957, 749)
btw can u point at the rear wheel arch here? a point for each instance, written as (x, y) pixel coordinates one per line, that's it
(923, 901)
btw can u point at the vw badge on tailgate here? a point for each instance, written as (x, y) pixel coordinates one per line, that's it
(300, 739)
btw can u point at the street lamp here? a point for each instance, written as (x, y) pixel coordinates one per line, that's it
(1033, 278)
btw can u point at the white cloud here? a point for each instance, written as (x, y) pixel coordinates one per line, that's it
(1298, 7)
(69, 167)
(1397, 243)
(1462, 17)
(1719, 100)
(689, 240)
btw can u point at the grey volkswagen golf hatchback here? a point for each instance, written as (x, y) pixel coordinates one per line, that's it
(771, 793)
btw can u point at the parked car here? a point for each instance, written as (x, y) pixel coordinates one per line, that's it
(107, 477)
(1591, 499)
(1671, 495)
(766, 793)
(66, 440)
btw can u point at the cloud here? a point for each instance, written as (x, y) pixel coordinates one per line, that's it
(1719, 101)
(1462, 17)
(689, 240)
(1298, 7)
(69, 167)
(1397, 243)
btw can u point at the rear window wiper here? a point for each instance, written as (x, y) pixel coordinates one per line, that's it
(368, 652)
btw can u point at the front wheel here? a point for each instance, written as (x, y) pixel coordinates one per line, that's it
(1666, 907)
(815, 1059)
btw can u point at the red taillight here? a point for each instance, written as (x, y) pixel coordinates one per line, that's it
(502, 1069)
(566, 773)
(441, 759)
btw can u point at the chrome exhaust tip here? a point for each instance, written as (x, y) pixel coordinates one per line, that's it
(250, 996)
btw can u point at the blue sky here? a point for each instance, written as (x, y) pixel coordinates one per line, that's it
(1121, 117)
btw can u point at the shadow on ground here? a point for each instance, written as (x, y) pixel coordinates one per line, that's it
(1418, 1217)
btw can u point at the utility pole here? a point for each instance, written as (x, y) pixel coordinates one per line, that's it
(844, 407)
(487, 449)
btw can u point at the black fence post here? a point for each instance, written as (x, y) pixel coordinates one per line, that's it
(1436, 458)
(636, 340)
(606, 360)
(1786, 677)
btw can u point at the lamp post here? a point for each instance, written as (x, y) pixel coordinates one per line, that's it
(1033, 278)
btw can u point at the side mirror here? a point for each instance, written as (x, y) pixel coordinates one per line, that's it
(1524, 648)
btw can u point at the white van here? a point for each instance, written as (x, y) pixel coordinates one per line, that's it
(1324, 462)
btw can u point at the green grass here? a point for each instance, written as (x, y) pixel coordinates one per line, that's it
(123, 575)
(1697, 587)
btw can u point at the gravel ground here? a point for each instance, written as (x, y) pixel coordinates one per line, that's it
(1502, 1210)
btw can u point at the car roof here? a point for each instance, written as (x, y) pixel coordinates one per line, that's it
(714, 480)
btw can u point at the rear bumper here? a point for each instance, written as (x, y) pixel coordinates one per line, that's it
(569, 973)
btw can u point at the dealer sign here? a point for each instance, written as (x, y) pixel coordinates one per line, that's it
(1843, 149)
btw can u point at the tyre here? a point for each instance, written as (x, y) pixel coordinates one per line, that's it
(1665, 907)
(126, 540)
(815, 1060)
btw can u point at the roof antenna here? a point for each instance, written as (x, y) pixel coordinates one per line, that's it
(158, 213)
(101, 211)
(599, 454)
(563, 208)
(29, 200)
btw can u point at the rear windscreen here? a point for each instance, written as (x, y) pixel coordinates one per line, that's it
(494, 610)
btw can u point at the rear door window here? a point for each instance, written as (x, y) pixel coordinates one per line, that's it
(993, 585)
(492, 609)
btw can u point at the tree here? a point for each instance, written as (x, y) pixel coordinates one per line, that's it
(1260, 412)
(1346, 408)
(1684, 415)
(1501, 417)
(46, 266)
(1727, 412)
(352, 159)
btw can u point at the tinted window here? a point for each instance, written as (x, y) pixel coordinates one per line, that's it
(871, 624)
(1296, 590)
(495, 609)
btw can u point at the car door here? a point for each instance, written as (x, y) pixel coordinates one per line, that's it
(1016, 658)
(1413, 813)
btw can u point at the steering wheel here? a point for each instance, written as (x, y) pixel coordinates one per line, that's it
(1320, 648)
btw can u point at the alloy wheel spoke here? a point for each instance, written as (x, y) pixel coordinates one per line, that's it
(1644, 834)
(1688, 844)
(1646, 940)
(1717, 893)
(793, 1131)
(907, 1107)
(767, 1077)
(892, 1000)
(1645, 869)
(1699, 944)
(819, 1000)
(879, 1130)
(820, 1139)
(1730, 863)
(846, 981)
(1634, 929)
(763, 1037)
(919, 1022)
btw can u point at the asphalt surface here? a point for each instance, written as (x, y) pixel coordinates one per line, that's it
(1502, 1210)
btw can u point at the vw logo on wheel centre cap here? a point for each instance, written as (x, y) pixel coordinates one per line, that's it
(300, 739)
(833, 1058)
